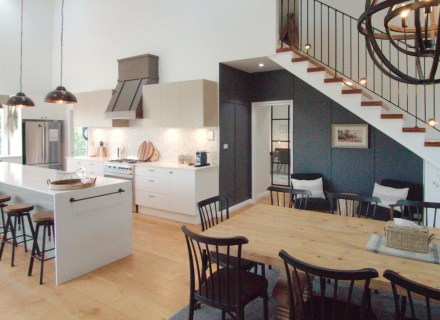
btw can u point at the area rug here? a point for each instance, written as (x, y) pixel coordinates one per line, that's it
(253, 310)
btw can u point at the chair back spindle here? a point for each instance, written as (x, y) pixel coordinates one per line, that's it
(213, 211)
(420, 211)
(354, 204)
(295, 198)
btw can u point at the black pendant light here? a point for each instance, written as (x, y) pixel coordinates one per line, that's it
(20, 100)
(60, 95)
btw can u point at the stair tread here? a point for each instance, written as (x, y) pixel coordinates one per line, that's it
(316, 69)
(391, 116)
(412, 129)
(331, 80)
(301, 59)
(374, 104)
(284, 49)
(351, 91)
(432, 143)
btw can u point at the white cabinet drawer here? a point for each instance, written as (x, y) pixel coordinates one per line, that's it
(150, 184)
(73, 165)
(93, 165)
(152, 172)
(95, 173)
(152, 200)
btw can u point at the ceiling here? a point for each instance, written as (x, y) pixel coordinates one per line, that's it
(252, 65)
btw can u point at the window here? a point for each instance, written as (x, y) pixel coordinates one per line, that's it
(79, 142)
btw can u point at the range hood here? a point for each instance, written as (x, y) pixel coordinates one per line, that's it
(133, 73)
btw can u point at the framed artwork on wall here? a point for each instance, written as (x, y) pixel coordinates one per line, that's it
(350, 136)
(283, 129)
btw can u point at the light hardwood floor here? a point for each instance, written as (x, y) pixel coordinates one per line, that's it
(153, 283)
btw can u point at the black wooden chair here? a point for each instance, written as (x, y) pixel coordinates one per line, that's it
(362, 206)
(230, 288)
(319, 305)
(212, 212)
(417, 210)
(296, 198)
(412, 288)
(315, 204)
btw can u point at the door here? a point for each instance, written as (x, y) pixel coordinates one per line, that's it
(33, 142)
(280, 145)
(52, 142)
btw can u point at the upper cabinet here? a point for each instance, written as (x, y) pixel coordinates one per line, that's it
(44, 111)
(181, 104)
(90, 108)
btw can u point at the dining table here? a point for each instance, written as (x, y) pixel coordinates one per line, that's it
(321, 239)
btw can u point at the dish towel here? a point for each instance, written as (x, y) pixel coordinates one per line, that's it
(377, 245)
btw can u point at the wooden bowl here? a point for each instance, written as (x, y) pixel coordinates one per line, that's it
(69, 184)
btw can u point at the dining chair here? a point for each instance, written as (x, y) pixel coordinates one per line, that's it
(296, 198)
(315, 204)
(358, 205)
(212, 212)
(230, 288)
(418, 211)
(412, 289)
(325, 304)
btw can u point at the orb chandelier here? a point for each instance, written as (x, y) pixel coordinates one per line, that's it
(417, 36)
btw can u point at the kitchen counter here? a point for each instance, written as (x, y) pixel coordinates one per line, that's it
(92, 158)
(173, 165)
(90, 232)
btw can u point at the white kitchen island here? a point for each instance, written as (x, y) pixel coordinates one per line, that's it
(89, 233)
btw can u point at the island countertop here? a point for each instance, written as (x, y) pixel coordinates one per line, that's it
(35, 178)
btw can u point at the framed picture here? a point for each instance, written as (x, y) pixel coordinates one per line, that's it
(283, 129)
(350, 136)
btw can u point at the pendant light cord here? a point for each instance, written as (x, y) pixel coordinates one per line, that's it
(62, 28)
(21, 47)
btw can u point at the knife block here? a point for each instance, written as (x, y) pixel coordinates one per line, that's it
(102, 152)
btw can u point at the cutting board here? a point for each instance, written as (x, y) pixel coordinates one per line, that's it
(154, 156)
(102, 153)
(92, 152)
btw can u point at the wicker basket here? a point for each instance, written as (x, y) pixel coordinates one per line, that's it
(406, 238)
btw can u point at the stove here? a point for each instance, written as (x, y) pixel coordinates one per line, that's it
(127, 161)
(121, 169)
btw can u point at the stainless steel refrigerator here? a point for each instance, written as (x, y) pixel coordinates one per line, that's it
(42, 143)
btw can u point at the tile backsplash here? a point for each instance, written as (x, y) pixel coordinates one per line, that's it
(170, 142)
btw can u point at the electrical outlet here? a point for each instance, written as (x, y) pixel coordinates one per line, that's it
(225, 146)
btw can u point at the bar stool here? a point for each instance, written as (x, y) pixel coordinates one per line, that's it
(18, 212)
(46, 220)
(3, 199)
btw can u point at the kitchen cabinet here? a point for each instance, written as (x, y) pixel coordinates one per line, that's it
(44, 111)
(182, 191)
(93, 168)
(90, 107)
(191, 103)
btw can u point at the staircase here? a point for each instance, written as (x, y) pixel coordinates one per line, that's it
(326, 74)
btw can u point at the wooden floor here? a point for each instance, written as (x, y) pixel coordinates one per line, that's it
(153, 283)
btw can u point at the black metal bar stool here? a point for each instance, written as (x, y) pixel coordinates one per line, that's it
(3, 199)
(46, 220)
(17, 212)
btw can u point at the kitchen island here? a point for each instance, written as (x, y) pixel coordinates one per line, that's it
(91, 231)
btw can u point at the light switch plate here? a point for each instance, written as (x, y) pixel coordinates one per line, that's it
(225, 146)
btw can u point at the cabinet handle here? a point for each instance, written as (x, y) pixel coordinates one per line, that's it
(171, 171)
(151, 170)
(92, 164)
(151, 196)
(151, 180)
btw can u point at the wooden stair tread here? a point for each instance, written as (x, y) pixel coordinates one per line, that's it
(432, 143)
(301, 59)
(18, 208)
(43, 216)
(316, 69)
(391, 116)
(287, 49)
(332, 80)
(374, 104)
(406, 129)
(351, 91)
(5, 197)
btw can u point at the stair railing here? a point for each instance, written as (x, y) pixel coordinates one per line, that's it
(333, 40)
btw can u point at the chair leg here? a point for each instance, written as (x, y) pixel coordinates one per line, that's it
(192, 303)
(240, 313)
(14, 241)
(3, 220)
(5, 236)
(34, 247)
(263, 270)
(266, 306)
(223, 314)
(42, 254)
(23, 233)
(31, 226)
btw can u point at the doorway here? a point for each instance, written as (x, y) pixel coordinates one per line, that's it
(280, 145)
(265, 139)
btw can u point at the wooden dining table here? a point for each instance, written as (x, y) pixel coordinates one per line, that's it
(321, 239)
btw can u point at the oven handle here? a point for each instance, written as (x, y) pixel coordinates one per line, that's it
(110, 174)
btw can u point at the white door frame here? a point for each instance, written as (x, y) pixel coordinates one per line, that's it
(256, 139)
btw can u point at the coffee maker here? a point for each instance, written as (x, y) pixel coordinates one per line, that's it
(201, 159)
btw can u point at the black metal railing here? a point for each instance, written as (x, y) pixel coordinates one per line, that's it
(336, 43)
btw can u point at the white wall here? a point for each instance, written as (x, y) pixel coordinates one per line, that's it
(37, 48)
(190, 37)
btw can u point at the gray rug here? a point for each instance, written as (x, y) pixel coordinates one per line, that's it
(253, 310)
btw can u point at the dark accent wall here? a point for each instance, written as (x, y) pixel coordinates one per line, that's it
(345, 170)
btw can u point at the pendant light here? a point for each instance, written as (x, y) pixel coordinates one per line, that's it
(60, 95)
(20, 100)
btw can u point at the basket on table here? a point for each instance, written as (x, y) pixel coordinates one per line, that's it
(406, 238)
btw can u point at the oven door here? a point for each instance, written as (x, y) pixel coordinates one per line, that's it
(124, 176)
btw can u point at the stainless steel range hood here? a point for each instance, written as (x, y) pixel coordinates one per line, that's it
(134, 72)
